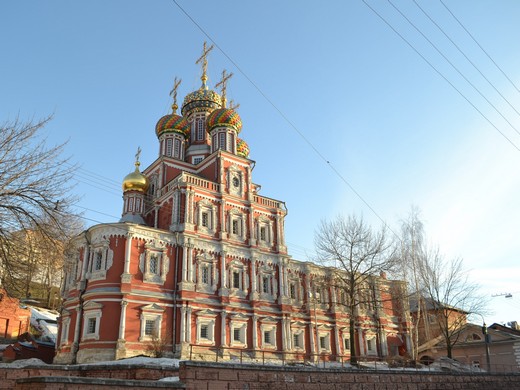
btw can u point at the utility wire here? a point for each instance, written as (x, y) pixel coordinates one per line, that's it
(287, 120)
(439, 73)
(478, 44)
(452, 65)
(467, 58)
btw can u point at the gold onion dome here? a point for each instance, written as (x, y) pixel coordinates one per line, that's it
(201, 98)
(172, 123)
(242, 148)
(135, 181)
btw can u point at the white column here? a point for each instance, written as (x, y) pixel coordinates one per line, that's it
(183, 325)
(128, 252)
(184, 263)
(253, 276)
(255, 332)
(284, 334)
(223, 316)
(122, 320)
(336, 337)
(76, 328)
(223, 274)
(281, 288)
(188, 324)
(311, 338)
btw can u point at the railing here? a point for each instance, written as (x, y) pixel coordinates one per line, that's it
(332, 361)
(268, 202)
(186, 178)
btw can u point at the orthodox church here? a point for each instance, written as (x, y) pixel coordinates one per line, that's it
(197, 266)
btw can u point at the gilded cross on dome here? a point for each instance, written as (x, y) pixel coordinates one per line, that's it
(233, 105)
(204, 59)
(173, 93)
(223, 84)
(137, 163)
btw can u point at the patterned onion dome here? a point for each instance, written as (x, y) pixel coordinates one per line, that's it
(172, 123)
(205, 98)
(242, 148)
(135, 181)
(224, 117)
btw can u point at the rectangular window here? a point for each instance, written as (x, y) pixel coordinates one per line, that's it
(169, 146)
(370, 346)
(346, 344)
(265, 284)
(235, 226)
(230, 140)
(138, 205)
(154, 265)
(197, 160)
(236, 280)
(297, 340)
(99, 258)
(200, 129)
(267, 337)
(91, 325)
(222, 141)
(205, 274)
(204, 332)
(262, 233)
(236, 334)
(177, 149)
(149, 328)
(205, 219)
(323, 342)
(292, 290)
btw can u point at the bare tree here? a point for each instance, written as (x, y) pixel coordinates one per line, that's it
(410, 256)
(450, 295)
(357, 254)
(35, 196)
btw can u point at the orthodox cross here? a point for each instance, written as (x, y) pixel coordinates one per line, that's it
(173, 93)
(137, 163)
(204, 59)
(233, 105)
(223, 84)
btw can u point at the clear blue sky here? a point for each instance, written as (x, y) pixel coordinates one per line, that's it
(395, 130)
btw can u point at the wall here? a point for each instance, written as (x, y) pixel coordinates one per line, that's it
(8, 376)
(204, 376)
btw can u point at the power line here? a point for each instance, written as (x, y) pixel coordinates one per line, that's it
(467, 58)
(478, 44)
(287, 120)
(439, 73)
(453, 66)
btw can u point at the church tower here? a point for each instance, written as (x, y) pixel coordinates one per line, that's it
(198, 260)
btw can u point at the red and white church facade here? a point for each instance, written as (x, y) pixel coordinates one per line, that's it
(198, 264)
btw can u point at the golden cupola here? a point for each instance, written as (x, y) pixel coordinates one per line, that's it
(135, 181)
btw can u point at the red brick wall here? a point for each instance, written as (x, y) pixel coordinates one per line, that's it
(8, 376)
(204, 376)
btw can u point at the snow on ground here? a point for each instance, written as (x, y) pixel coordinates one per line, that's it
(139, 360)
(46, 322)
(23, 363)
(169, 379)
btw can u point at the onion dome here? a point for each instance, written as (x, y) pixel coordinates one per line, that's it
(202, 98)
(225, 117)
(172, 123)
(242, 148)
(135, 181)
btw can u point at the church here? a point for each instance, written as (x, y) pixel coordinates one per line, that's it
(197, 267)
